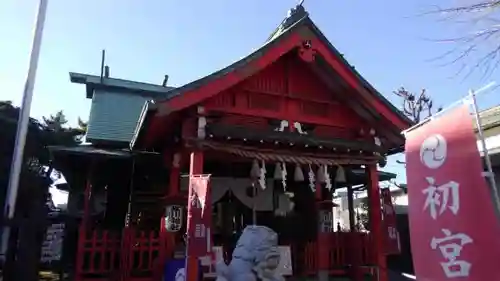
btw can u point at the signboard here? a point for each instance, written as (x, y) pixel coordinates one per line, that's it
(326, 221)
(52, 245)
(392, 245)
(454, 229)
(199, 217)
(285, 265)
(173, 218)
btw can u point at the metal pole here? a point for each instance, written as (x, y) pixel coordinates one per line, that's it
(22, 123)
(456, 103)
(491, 175)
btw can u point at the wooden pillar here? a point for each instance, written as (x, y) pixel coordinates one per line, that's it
(354, 255)
(322, 237)
(175, 173)
(375, 219)
(195, 168)
(350, 207)
(82, 235)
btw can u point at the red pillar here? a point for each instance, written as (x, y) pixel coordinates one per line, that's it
(172, 197)
(175, 173)
(376, 230)
(195, 168)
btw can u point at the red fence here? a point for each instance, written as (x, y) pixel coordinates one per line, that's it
(345, 248)
(130, 255)
(139, 256)
(98, 254)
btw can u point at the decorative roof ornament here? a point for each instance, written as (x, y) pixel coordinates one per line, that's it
(294, 14)
(283, 124)
(299, 129)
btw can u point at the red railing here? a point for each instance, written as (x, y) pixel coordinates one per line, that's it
(98, 254)
(130, 255)
(345, 248)
(143, 255)
(140, 255)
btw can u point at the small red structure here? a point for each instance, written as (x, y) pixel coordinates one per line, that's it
(294, 104)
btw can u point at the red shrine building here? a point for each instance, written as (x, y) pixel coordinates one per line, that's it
(277, 131)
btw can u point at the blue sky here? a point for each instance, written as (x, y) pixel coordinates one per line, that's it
(144, 40)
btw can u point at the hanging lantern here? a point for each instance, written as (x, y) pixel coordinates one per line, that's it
(312, 180)
(262, 175)
(255, 172)
(328, 181)
(298, 175)
(277, 172)
(340, 177)
(173, 218)
(283, 176)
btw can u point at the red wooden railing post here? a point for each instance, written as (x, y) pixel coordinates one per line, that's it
(82, 228)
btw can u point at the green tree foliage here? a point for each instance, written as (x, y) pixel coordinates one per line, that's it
(31, 211)
(52, 130)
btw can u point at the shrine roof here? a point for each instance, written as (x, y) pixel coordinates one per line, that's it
(296, 19)
(93, 82)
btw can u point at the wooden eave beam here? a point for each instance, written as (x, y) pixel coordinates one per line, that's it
(243, 133)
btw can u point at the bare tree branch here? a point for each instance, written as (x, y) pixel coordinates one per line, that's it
(415, 107)
(479, 45)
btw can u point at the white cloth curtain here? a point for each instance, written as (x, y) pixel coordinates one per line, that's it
(239, 187)
(263, 200)
(219, 187)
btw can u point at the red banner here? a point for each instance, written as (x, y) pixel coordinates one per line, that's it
(392, 245)
(199, 218)
(454, 229)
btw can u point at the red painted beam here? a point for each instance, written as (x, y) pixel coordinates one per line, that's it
(230, 79)
(353, 81)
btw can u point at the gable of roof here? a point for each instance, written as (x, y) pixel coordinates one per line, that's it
(93, 82)
(116, 107)
(114, 117)
(280, 42)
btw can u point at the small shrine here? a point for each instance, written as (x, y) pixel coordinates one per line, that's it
(272, 135)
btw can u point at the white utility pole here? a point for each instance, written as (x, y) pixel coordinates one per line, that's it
(22, 124)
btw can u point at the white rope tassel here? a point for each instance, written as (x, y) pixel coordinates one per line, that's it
(298, 175)
(283, 176)
(262, 176)
(312, 180)
(328, 181)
